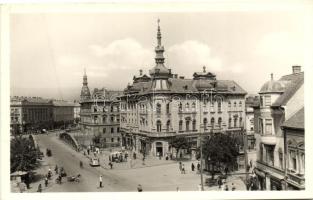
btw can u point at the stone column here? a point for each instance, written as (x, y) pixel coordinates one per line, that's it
(267, 182)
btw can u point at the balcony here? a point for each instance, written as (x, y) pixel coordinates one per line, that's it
(296, 179)
(269, 139)
(267, 169)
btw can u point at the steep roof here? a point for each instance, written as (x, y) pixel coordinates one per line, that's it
(295, 81)
(295, 121)
(186, 86)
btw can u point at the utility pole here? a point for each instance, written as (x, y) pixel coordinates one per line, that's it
(244, 133)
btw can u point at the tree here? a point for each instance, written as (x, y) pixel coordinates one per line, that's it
(220, 150)
(23, 154)
(180, 143)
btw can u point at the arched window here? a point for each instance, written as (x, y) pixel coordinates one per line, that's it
(219, 121)
(158, 108)
(229, 122)
(235, 122)
(235, 104)
(212, 106)
(180, 107)
(104, 119)
(240, 122)
(187, 106)
(180, 125)
(112, 108)
(205, 123)
(212, 122)
(187, 124)
(159, 126)
(95, 109)
(168, 108)
(194, 123)
(219, 106)
(193, 106)
(168, 124)
(240, 104)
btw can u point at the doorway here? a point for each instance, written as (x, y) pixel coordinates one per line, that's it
(159, 148)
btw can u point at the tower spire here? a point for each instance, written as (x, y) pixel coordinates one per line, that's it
(159, 50)
(85, 82)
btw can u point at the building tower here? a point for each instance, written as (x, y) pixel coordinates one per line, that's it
(85, 93)
(160, 73)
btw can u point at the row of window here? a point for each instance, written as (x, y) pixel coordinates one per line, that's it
(104, 130)
(143, 107)
(104, 119)
(188, 122)
(112, 139)
(105, 109)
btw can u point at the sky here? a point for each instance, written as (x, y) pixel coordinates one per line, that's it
(49, 51)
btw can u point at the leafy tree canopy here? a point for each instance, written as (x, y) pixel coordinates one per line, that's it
(220, 149)
(23, 154)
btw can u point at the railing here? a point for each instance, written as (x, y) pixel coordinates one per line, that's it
(298, 179)
(267, 168)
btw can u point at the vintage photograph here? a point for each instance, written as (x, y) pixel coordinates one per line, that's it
(135, 101)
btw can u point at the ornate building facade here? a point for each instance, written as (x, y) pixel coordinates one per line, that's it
(99, 116)
(279, 101)
(157, 107)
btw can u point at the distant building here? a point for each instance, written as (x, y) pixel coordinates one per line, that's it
(251, 102)
(280, 100)
(99, 116)
(63, 113)
(30, 114)
(157, 108)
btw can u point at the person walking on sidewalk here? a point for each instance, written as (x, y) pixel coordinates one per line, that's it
(46, 182)
(183, 169)
(180, 167)
(192, 167)
(100, 181)
(39, 188)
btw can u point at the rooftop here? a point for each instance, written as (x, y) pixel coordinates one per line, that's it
(295, 121)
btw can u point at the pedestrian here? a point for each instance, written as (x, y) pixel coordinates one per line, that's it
(111, 165)
(143, 160)
(233, 188)
(226, 171)
(100, 181)
(198, 166)
(39, 188)
(180, 166)
(192, 167)
(226, 187)
(56, 169)
(219, 182)
(130, 163)
(183, 169)
(110, 158)
(177, 189)
(139, 188)
(46, 182)
(88, 152)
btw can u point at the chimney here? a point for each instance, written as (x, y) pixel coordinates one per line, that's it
(140, 72)
(296, 69)
(170, 71)
(181, 77)
(272, 76)
(175, 75)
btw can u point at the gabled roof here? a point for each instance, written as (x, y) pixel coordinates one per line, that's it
(295, 81)
(296, 121)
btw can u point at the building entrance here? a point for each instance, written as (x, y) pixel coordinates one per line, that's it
(159, 148)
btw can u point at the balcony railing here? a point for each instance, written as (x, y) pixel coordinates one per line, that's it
(270, 169)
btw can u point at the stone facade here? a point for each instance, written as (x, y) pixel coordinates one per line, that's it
(159, 107)
(99, 117)
(277, 100)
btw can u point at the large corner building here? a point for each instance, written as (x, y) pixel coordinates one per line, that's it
(157, 107)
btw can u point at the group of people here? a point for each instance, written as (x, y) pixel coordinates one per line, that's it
(183, 170)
